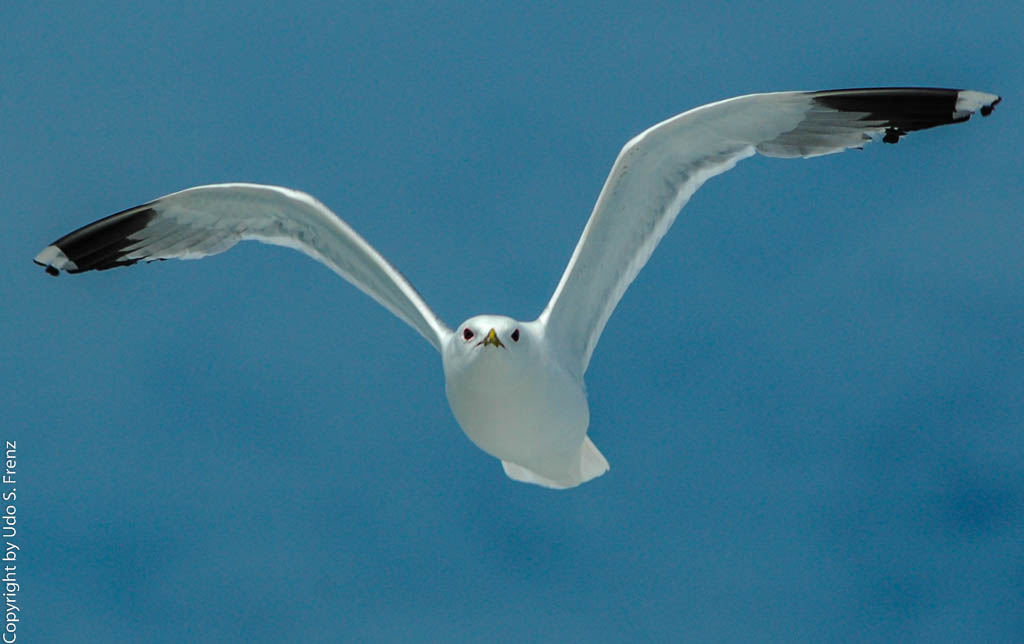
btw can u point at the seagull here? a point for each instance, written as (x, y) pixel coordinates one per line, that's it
(516, 388)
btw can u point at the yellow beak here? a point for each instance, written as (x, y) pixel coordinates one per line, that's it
(492, 338)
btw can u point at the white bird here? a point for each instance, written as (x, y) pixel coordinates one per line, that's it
(516, 388)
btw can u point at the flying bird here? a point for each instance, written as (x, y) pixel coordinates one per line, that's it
(516, 388)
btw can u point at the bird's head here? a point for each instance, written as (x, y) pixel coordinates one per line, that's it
(488, 339)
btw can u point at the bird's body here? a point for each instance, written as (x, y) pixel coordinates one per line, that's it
(517, 387)
(521, 406)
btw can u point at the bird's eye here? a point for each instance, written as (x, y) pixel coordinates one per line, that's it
(515, 335)
(467, 333)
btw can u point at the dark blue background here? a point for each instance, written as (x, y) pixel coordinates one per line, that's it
(812, 399)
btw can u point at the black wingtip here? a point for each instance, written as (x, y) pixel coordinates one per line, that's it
(900, 110)
(987, 109)
(50, 270)
(892, 135)
(102, 244)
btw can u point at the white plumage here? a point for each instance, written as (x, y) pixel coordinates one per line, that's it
(516, 388)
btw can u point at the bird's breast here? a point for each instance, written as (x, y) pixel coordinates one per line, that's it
(528, 413)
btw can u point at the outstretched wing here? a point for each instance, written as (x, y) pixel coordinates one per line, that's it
(207, 220)
(658, 171)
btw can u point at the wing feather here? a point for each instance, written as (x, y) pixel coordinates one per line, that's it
(658, 171)
(206, 220)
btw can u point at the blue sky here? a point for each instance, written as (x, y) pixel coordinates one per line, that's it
(810, 398)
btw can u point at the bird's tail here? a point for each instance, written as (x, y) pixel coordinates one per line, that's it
(592, 464)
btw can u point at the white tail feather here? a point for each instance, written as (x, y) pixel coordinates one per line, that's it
(591, 465)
